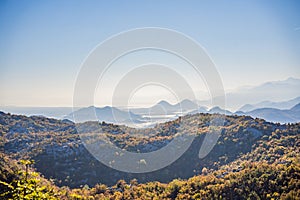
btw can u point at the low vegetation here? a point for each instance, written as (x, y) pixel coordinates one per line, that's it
(253, 159)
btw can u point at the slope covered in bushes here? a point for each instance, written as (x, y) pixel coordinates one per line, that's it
(252, 158)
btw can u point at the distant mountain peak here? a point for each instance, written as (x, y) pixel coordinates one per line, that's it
(107, 108)
(216, 108)
(292, 79)
(219, 110)
(187, 101)
(163, 102)
(246, 108)
(282, 105)
(296, 107)
(107, 114)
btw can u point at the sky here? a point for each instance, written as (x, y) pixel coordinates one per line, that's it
(44, 43)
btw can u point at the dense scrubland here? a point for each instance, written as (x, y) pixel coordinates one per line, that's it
(253, 159)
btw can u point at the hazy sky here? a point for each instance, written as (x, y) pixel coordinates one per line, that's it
(43, 43)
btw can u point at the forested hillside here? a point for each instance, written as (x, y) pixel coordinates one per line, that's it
(252, 158)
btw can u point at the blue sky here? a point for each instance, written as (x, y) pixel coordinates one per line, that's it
(43, 43)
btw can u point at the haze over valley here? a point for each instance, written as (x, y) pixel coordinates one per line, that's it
(269, 101)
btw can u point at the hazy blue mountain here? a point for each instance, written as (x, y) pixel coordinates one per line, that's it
(165, 108)
(275, 91)
(218, 110)
(269, 104)
(107, 114)
(186, 105)
(247, 108)
(201, 109)
(296, 108)
(275, 115)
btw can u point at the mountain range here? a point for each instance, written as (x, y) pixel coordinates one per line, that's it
(269, 114)
(165, 108)
(276, 115)
(164, 111)
(270, 104)
(253, 101)
(274, 91)
(107, 114)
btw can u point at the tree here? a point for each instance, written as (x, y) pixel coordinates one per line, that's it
(27, 186)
